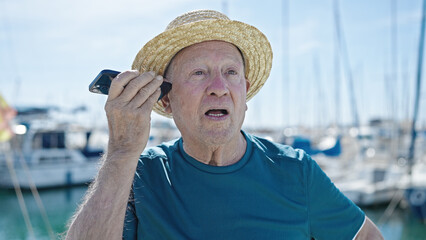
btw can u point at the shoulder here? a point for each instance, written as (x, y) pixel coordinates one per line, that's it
(154, 161)
(277, 152)
(150, 157)
(160, 151)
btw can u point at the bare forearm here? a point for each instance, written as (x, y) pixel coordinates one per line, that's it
(128, 108)
(102, 214)
(369, 231)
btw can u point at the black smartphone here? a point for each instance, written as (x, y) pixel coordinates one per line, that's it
(102, 83)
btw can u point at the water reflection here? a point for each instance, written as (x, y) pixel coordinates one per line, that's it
(402, 225)
(60, 204)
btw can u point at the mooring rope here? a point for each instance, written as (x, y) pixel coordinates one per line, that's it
(37, 198)
(21, 201)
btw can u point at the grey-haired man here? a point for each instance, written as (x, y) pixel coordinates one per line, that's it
(216, 181)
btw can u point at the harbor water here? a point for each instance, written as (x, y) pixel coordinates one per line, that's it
(60, 204)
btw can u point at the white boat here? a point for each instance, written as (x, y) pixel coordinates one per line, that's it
(371, 184)
(45, 154)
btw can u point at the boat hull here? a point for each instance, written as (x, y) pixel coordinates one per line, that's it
(416, 198)
(49, 175)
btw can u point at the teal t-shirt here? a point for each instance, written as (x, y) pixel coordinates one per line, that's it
(273, 192)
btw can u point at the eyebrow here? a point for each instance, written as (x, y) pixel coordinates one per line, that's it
(166, 70)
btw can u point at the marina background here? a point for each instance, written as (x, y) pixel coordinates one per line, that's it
(51, 50)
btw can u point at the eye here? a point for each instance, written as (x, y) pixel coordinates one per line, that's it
(232, 72)
(198, 73)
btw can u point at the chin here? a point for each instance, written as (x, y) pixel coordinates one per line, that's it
(217, 136)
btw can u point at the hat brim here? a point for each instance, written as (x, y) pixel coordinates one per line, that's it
(255, 47)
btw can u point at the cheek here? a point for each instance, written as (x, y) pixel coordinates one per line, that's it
(240, 100)
(184, 99)
(240, 91)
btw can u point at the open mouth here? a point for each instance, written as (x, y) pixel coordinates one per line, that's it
(216, 112)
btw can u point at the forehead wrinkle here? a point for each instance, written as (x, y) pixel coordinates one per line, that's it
(179, 56)
(228, 58)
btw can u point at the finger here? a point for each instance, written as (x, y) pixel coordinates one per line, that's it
(149, 103)
(119, 82)
(146, 92)
(135, 85)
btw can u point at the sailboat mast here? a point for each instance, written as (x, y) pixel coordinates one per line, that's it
(285, 64)
(417, 90)
(392, 84)
(394, 57)
(337, 62)
(347, 66)
(225, 7)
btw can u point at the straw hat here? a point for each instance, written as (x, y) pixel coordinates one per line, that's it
(204, 25)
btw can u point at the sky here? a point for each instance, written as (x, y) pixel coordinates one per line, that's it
(51, 50)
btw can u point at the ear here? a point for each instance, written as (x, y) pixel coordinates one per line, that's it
(247, 88)
(247, 85)
(165, 102)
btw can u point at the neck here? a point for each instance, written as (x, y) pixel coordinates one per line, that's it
(223, 154)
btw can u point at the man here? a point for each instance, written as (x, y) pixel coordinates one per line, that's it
(216, 181)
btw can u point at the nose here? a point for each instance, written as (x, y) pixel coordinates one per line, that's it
(218, 86)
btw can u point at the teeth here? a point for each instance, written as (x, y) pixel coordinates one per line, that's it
(216, 115)
(216, 112)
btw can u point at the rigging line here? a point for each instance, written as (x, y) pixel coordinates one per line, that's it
(396, 199)
(347, 66)
(405, 92)
(322, 109)
(21, 201)
(36, 195)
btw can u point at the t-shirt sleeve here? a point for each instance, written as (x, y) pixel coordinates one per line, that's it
(331, 214)
(130, 220)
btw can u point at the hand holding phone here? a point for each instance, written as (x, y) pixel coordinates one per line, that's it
(102, 83)
(131, 99)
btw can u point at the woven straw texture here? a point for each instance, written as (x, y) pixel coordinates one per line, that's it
(204, 25)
